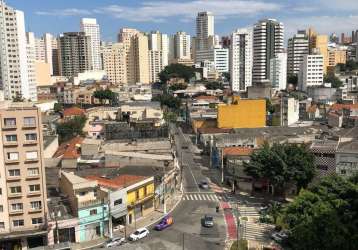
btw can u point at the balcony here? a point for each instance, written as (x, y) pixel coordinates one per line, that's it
(91, 203)
(139, 201)
(13, 178)
(11, 143)
(9, 126)
(30, 142)
(37, 210)
(12, 161)
(31, 160)
(16, 212)
(14, 195)
(33, 177)
(34, 193)
(29, 125)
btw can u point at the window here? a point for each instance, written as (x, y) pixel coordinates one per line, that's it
(82, 193)
(1, 208)
(145, 191)
(31, 137)
(10, 122)
(14, 172)
(118, 202)
(31, 155)
(15, 190)
(93, 211)
(11, 138)
(33, 171)
(35, 205)
(13, 156)
(36, 221)
(137, 194)
(34, 188)
(29, 121)
(16, 207)
(18, 223)
(2, 225)
(0, 191)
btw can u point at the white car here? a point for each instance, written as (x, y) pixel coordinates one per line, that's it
(139, 234)
(115, 242)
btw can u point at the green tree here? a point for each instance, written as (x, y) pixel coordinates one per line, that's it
(18, 98)
(269, 106)
(71, 128)
(331, 78)
(178, 86)
(227, 76)
(170, 117)
(324, 216)
(176, 70)
(169, 101)
(58, 107)
(104, 94)
(282, 165)
(292, 78)
(214, 85)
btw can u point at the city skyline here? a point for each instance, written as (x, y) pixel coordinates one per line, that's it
(325, 16)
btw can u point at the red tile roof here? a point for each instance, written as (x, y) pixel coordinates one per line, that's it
(206, 97)
(339, 107)
(69, 150)
(238, 151)
(117, 182)
(312, 109)
(73, 111)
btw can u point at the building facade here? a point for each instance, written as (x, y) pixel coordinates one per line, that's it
(268, 38)
(241, 59)
(155, 65)
(204, 30)
(298, 46)
(311, 73)
(22, 183)
(114, 62)
(278, 71)
(181, 44)
(91, 28)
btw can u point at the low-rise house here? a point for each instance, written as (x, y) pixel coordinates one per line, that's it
(73, 112)
(69, 153)
(347, 158)
(88, 204)
(324, 157)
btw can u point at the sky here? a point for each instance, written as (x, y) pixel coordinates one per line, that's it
(58, 16)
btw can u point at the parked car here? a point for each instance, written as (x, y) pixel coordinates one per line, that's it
(208, 221)
(115, 242)
(279, 236)
(164, 223)
(139, 234)
(204, 185)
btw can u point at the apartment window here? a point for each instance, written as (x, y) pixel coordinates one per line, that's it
(13, 156)
(31, 155)
(2, 225)
(93, 211)
(36, 221)
(0, 191)
(137, 194)
(18, 223)
(31, 137)
(118, 202)
(9, 122)
(33, 171)
(1, 208)
(34, 188)
(29, 121)
(11, 138)
(16, 207)
(14, 172)
(15, 190)
(35, 205)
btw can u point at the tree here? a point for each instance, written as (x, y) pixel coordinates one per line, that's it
(178, 86)
(176, 70)
(331, 78)
(214, 85)
(227, 76)
(282, 165)
(71, 128)
(324, 216)
(104, 94)
(58, 107)
(18, 98)
(170, 117)
(170, 101)
(292, 78)
(348, 66)
(269, 106)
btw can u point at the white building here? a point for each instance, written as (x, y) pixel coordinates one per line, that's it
(14, 73)
(278, 71)
(289, 111)
(218, 56)
(241, 59)
(90, 27)
(31, 87)
(44, 49)
(267, 42)
(160, 42)
(298, 47)
(181, 43)
(204, 30)
(155, 65)
(311, 73)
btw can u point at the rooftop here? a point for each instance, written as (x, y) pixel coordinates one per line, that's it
(339, 107)
(238, 151)
(77, 181)
(215, 130)
(348, 147)
(69, 150)
(121, 181)
(73, 111)
(161, 145)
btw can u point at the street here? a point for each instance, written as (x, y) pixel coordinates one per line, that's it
(187, 231)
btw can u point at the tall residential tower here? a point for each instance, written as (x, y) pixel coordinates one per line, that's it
(90, 27)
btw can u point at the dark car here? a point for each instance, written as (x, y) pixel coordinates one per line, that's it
(164, 223)
(208, 221)
(204, 185)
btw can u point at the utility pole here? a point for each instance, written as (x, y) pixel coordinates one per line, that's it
(57, 233)
(222, 165)
(183, 242)
(110, 220)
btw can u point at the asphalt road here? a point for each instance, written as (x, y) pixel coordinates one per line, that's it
(187, 231)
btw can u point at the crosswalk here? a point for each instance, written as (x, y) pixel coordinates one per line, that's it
(246, 211)
(255, 231)
(203, 197)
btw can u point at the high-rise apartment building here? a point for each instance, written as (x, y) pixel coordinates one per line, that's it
(218, 57)
(278, 71)
(182, 45)
(241, 59)
(298, 46)
(159, 42)
(267, 42)
(31, 87)
(311, 73)
(14, 75)
(46, 51)
(90, 27)
(114, 62)
(204, 29)
(319, 44)
(22, 177)
(155, 65)
(75, 53)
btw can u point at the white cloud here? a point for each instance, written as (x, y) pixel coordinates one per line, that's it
(339, 5)
(158, 11)
(65, 12)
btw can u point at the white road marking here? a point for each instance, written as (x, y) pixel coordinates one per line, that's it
(199, 197)
(191, 197)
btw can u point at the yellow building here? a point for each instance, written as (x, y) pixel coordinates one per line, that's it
(337, 56)
(319, 44)
(244, 113)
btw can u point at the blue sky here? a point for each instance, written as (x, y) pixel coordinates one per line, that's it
(57, 16)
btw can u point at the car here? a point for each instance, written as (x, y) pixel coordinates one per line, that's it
(115, 242)
(117, 228)
(263, 209)
(204, 185)
(208, 221)
(279, 236)
(184, 147)
(167, 221)
(139, 234)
